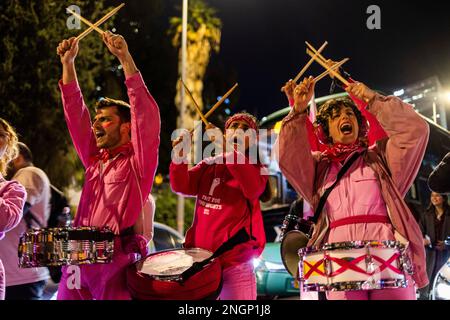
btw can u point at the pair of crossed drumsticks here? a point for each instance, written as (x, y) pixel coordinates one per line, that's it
(94, 26)
(317, 56)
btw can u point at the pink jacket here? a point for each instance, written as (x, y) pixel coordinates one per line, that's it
(113, 193)
(227, 200)
(395, 161)
(12, 199)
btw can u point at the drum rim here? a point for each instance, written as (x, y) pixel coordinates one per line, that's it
(355, 285)
(359, 244)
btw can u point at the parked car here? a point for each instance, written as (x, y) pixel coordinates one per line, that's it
(272, 278)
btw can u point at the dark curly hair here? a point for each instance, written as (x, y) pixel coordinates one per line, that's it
(123, 108)
(325, 113)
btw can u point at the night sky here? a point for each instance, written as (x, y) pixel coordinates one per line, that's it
(263, 43)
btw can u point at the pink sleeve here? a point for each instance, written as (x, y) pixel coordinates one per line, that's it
(249, 176)
(185, 181)
(12, 200)
(295, 158)
(145, 125)
(407, 138)
(78, 121)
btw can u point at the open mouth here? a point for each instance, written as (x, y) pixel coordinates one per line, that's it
(346, 128)
(99, 134)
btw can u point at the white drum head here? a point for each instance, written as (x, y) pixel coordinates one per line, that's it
(173, 262)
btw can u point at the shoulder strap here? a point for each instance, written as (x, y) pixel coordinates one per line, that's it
(327, 192)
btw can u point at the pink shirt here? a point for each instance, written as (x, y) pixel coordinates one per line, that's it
(357, 193)
(110, 195)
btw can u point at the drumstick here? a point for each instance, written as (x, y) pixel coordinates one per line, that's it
(99, 22)
(225, 96)
(334, 67)
(316, 52)
(86, 21)
(309, 62)
(323, 64)
(195, 104)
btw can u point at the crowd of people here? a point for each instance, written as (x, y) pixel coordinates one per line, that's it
(360, 187)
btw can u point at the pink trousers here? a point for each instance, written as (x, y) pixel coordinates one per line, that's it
(239, 283)
(97, 281)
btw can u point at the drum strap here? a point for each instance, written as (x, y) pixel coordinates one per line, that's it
(240, 237)
(327, 192)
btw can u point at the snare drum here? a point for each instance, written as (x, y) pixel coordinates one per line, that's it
(355, 265)
(158, 276)
(295, 234)
(65, 246)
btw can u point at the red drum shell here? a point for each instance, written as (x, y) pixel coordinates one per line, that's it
(203, 285)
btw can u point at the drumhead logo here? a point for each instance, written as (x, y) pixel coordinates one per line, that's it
(73, 278)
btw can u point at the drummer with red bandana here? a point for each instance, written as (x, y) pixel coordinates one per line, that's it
(227, 193)
(119, 150)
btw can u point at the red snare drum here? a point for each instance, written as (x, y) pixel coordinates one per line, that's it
(158, 276)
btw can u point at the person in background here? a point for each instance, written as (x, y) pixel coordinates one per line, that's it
(26, 283)
(435, 226)
(12, 193)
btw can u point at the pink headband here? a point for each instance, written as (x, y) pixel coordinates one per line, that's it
(241, 117)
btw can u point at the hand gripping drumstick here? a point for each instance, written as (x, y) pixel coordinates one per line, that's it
(86, 21)
(99, 22)
(195, 104)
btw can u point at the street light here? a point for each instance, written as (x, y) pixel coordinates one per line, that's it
(180, 202)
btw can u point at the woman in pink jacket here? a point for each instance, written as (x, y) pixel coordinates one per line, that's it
(227, 200)
(367, 203)
(12, 194)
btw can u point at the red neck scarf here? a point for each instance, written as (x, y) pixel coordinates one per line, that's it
(106, 155)
(339, 152)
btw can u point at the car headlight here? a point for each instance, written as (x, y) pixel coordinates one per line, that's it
(441, 289)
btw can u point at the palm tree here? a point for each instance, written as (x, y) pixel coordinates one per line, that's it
(203, 37)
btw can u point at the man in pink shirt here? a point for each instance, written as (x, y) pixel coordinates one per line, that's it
(119, 151)
(367, 203)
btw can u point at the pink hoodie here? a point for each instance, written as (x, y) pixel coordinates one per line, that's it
(385, 173)
(12, 200)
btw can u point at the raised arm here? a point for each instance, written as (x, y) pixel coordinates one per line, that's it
(249, 176)
(295, 158)
(407, 134)
(145, 119)
(75, 110)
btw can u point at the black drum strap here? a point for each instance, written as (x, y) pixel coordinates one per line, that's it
(327, 192)
(240, 237)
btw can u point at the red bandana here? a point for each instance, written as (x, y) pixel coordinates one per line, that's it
(241, 117)
(339, 152)
(105, 154)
